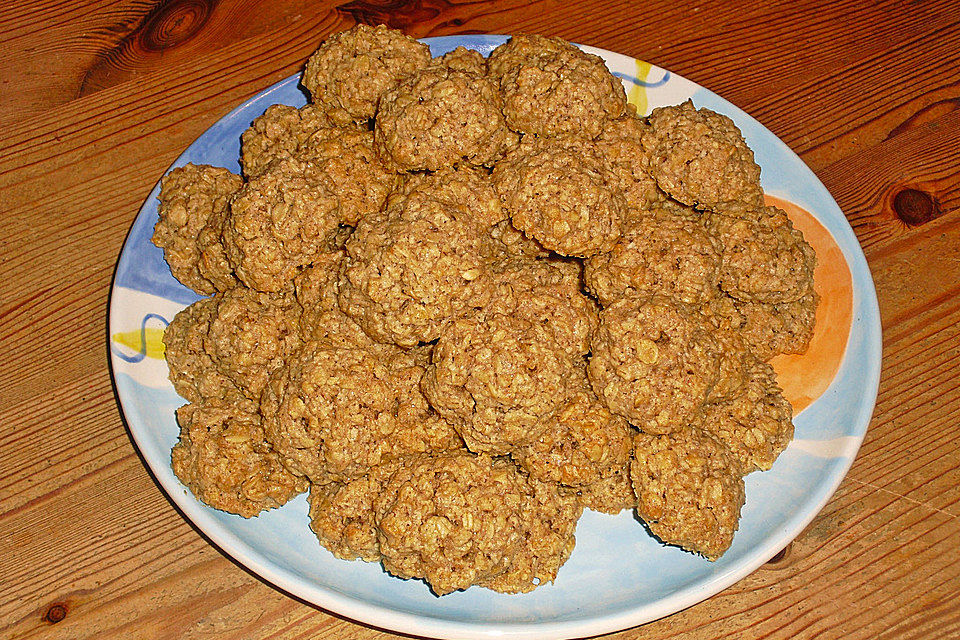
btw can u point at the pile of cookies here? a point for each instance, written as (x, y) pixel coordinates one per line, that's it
(460, 299)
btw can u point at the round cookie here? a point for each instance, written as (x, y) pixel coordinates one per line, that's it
(654, 361)
(411, 268)
(439, 117)
(458, 519)
(192, 370)
(700, 158)
(222, 457)
(584, 446)
(756, 423)
(342, 515)
(764, 258)
(561, 192)
(334, 413)
(495, 377)
(658, 253)
(278, 224)
(689, 490)
(352, 69)
(193, 204)
(251, 335)
(550, 87)
(278, 134)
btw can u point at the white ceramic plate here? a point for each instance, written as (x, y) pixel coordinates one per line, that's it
(618, 576)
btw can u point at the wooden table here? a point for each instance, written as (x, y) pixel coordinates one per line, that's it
(96, 100)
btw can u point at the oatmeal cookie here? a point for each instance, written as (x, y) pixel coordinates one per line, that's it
(251, 334)
(322, 319)
(756, 424)
(193, 202)
(550, 87)
(700, 158)
(689, 490)
(192, 370)
(621, 144)
(582, 443)
(550, 517)
(350, 170)
(496, 377)
(561, 192)
(657, 254)
(352, 69)
(654, 361)
(439, 117)
(279, 134)
(278, 224)
(338, 159)
(334, 413)
(342, 516)
(764, 258)
(547, 292)
(411, 268)
(222, 457)
(453, 520)
(232, 341)
(456, 520)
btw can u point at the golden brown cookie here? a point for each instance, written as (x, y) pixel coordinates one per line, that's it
(251, 335)
(764, 258)
(654, 361)
(342, 515)
(700, 158)
(495, 377)
(222, 457)
(193, 204)
(689, 490)
(658, 253)
(582, 443)
(279, 134)
(351, 70)
(550, 515)
(550, 87)
(756, 423)
(457, 519)
(412, 268)
(439, 117)
(192, 370)
(278, 224)
(562, 192)
(336, 412)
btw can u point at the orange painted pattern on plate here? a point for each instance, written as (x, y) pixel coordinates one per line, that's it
(804, 377)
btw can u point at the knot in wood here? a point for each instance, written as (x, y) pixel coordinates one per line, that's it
(55, 613)
(915, 207)
(781, 555)
(173, 23)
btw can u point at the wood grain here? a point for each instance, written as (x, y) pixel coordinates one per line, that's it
(98, 97)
